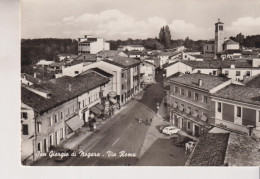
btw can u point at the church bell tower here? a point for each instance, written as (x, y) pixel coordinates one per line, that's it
(219, 36)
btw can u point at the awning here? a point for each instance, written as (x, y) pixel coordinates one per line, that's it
(187, 110)
(113, 100)
(95, 110)
(99, 106)
(195, 114)
(204, 118)
(181, 108)
(75, 123)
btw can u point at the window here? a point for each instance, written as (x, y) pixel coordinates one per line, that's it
(89, 99)
(122, 75)
(69, 111)
(188, 125)
(76, 72)
(50, 121)
(258, 112)
(25, 129)
(199, 71)
(219, 107)
(182, 92)
(196, 96)
(189, 94)
(24, 115)
(226, 72)
(39, 147)
(238, 111)
(122, 87)
(61, 115)
(39, 127)
(83, 103)
(176, 89)
(61, 134)
(214, 72)
(55, 118)
(237, 73)
(205, 99)
(247, 73)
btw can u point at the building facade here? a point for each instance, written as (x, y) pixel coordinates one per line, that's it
(189, 103)
(92, 45)
(237, 108)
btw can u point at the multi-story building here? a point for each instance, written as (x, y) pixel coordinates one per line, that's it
(237, 70)
(147, 71)
(189, 101)
(60, 107)
(126, 76)
(92, 45)
(237, 108)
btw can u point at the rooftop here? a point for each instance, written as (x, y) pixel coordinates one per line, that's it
(60, 92)
(240, 93)
(30, 78)
(108, 53)
(242, 150)
(254, 82)
(87, 57)
(208, 81)
(98, 70)
(122, 62)
(229, 41)
(210, 150)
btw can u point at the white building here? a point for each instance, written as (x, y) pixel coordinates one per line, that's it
(44, 63)
(131, 47)
(92, 45)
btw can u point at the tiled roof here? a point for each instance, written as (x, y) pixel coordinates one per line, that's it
(240, 93)
(122, 62)
(208, 81)
(211, 64)
(30, 78)
(59, 88)
(230, 51)
(108, 53)
(229, 41)
(210, 150)
(237, 63)
(56, 64)
(190, 50)
(102, 72)
(242, 150)
(254, 82)
(87, 57)
(135, 52)
(166, 53)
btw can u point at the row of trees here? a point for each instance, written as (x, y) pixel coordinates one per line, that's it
(248, 41)
(36, 49)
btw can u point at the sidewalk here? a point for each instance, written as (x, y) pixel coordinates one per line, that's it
(85, 132)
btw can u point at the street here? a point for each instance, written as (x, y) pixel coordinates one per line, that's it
(119, 141)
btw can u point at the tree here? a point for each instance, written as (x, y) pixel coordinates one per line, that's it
(165, 36)
(240, 38)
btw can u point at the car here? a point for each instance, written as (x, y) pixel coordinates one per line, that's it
(170, 130)
(62, 154)
(181, 141)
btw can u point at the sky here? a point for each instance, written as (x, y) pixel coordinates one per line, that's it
(137, 19)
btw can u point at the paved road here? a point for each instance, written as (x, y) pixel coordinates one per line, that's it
(124, 133)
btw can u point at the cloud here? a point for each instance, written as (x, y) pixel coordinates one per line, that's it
(245, 25)
(113, 24)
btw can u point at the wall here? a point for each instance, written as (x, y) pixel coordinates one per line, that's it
(47, 130)
(231, 47)
(27, 141)
(243, 71)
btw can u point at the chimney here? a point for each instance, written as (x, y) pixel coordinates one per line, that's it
(69, 87)
(200, 82)
(34, 74)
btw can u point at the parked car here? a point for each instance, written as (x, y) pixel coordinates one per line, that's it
(170, 130)
(64, 154)
(181, 141)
